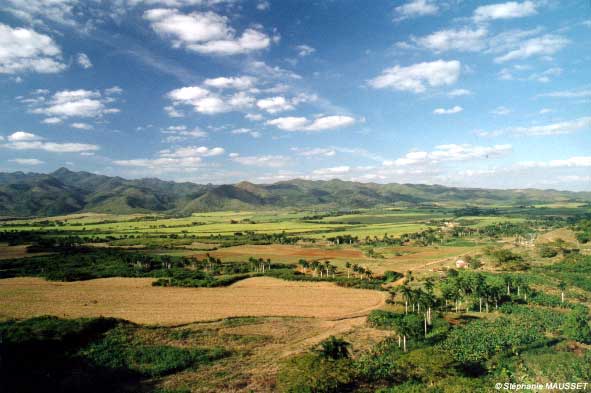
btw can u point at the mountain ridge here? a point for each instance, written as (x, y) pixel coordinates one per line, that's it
(64, 191)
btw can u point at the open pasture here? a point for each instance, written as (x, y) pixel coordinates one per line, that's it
(136, 300)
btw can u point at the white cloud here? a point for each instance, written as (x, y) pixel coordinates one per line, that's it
(450, 111)
(72, 103)
(239, 82)
(464, 40)
(22, 136)
(52, 120)
(417, 77)
(269, 161)
(572, 162)
(459, 93)
(559, 128)
(182, 158)
(173, 112)
(246, 131)
(59, 11)
(546, 75)
(274, 104)
(181, 133)
(414, 8)
(204, 101)
(508, 10)
(115, 90)
(315, 152)
(322, 123)
(337, 170)
(450, 152)
(545, 45)
(254, 116)
(305, 50)
(81, 126)
(83, 61)
(22, 140)
(24, 50)
(574, 93)
(501, 111)
(262, 69)
(205, 32)
(27, 161)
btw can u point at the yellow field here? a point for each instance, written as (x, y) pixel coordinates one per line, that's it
(136, 300)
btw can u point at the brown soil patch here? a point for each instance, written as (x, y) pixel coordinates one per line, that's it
(136, 300)
(563, 233)
(9, 252)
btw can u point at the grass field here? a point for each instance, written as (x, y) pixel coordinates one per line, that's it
(136, 300)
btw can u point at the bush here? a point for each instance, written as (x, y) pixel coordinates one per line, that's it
(311, 373)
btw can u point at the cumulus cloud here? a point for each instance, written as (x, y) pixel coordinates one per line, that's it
(415, 8)
(83, 61)
(238, 82)
(25, 50)
(459, 93)
(70, 103)
(508, 10)
(246, 131)
(450, 152)
(558, 128)
(181, 133)
(501, 111)
(464, 40)
(205, 101)
(268, 161)
(315, 152)
(572, 162)
(81, 126)
(59, 11)
(27, 161)
(182, 158)
(322, 123)
(52, 120)
(274, 104)
(545, 45)
(574, 93)
(305, 50)
(22, 140)
(418, 77)
(449, 111)
(205, 32)
(332, 171)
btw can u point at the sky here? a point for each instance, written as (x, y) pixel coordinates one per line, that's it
(459, 93)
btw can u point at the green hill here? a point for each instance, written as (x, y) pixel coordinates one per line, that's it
(64, 191)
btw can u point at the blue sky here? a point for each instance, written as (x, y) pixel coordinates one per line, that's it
(461, 93)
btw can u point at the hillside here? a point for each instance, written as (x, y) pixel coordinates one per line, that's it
(65, 191)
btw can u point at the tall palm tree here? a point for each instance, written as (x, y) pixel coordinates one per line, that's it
(562, 287)
(407, 295)
(348, 266)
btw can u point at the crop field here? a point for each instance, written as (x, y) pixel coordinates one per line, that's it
(138, 301)
(249, 301)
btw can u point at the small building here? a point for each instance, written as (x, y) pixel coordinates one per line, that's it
(461, 264)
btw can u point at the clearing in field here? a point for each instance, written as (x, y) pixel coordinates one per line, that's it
(136, 300)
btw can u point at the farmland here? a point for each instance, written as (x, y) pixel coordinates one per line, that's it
(246, 300)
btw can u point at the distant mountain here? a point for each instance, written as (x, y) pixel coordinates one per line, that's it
(64, 191)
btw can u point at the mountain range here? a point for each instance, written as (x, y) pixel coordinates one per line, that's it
(65, 191)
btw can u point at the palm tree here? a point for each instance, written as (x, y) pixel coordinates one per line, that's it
(348, 266)
(407, 294)
(562, 287)
(334, 348)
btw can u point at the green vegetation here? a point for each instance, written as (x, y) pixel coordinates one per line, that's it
(91, 355)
